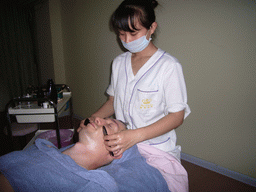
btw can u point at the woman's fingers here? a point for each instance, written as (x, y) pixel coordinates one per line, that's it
(111, 140)
(119, 142)
(116, 149)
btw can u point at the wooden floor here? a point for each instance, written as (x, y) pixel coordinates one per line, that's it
(200, 179)
(204, 180)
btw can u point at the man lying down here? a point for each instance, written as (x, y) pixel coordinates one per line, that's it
(83, 166)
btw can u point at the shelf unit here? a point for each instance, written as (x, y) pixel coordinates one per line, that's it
(32, 113)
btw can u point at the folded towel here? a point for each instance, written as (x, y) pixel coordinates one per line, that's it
(173, 172)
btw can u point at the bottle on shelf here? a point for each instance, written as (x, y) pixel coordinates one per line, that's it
(51, 91)
(40, 95)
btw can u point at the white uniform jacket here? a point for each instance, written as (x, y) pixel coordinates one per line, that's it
(157, 89)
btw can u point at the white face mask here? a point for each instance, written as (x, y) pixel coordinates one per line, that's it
(137, 45)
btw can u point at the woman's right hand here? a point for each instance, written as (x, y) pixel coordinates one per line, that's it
(121, 141)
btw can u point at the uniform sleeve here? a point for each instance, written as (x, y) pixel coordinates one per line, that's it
(111, 88)
(175, 92)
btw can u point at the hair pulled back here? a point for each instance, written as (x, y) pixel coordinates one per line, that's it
(130, 11)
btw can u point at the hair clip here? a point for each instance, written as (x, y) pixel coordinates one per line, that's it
(86, 122)
(106, 133)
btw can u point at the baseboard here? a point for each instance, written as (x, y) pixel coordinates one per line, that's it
(218, 169)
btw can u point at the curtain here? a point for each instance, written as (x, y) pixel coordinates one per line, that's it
(18, 67)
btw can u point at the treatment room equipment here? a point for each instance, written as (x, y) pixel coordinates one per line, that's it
(27, 113)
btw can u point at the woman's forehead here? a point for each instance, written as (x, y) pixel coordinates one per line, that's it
(134, 23)
(138, 28)
(130, 24)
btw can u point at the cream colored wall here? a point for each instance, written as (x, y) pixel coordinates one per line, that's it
(216, 45)
(89, 48)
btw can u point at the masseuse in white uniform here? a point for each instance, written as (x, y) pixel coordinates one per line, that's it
(147, 89)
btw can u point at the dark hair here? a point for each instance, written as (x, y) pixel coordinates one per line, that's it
(130, 10)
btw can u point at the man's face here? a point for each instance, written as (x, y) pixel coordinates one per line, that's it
(92, 133)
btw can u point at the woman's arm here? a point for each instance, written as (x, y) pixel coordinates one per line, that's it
(121, 141)
(162, 126)
(106, 110)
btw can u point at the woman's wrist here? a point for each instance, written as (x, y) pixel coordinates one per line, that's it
(138, 135)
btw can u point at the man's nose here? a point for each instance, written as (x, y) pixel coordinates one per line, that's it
(99, 121)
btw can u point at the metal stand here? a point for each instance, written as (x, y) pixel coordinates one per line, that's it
(37, 114)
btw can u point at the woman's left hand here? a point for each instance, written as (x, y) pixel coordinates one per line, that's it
(119, 142)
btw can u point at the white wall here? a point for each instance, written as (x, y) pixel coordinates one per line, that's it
(216, 45)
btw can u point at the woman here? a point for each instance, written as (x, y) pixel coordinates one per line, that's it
(147, 89)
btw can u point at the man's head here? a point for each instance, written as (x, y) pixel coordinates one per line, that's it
(91, 135)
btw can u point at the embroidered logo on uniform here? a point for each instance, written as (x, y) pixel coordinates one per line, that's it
(146, 103)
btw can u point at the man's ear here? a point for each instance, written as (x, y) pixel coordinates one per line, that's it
(117, 157)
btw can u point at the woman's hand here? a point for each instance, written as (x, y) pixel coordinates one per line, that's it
(120, 142)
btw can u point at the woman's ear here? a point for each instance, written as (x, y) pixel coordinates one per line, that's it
(153, 27)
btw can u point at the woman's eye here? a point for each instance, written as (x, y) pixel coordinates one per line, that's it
(121, 34)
